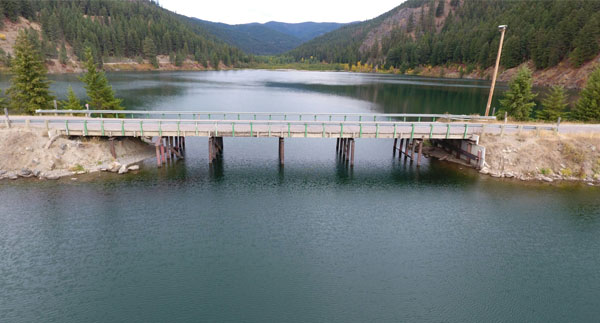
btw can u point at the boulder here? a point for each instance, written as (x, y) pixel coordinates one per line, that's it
(133, 167)
(123, 169)
(25, 172)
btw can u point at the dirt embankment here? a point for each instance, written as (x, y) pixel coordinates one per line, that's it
(38, 153)
(546, 156)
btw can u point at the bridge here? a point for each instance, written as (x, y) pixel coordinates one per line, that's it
(459, 133)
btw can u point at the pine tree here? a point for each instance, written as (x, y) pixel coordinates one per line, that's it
(97, 88)
(149, 49)
(554, 104)
(440, 8)
(588, 106)
(518, 100)
(29, 89)
(62, 56)
(72, 102)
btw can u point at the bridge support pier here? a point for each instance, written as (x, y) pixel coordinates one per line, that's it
(337, 145)
(281, 151)
(394, 150)
(163, 156)
(352, 153)
(420, 152)
(158, 159)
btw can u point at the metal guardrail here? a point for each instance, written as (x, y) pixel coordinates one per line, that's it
(194, 127)
(285, 116)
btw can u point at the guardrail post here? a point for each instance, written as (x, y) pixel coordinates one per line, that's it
(557, 124)
(233, 129)
(67, 126)
(466, 129)
(142, 127)
(412, 132)
(85, 130)
(123, 127)
(289, 130)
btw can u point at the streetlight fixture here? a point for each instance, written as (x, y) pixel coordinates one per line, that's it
(502, 29)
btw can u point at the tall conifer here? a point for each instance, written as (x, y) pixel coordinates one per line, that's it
(97, 88)
(29, 88)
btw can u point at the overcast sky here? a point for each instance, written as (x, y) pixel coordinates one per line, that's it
(246, 11)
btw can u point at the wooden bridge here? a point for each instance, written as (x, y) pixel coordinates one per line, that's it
(170, 128)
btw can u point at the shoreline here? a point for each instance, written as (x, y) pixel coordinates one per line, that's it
(528, 157)
(35, 153)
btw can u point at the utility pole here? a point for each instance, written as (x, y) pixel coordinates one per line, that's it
(502, 29)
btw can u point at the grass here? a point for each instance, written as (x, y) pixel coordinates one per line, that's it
(77, 168)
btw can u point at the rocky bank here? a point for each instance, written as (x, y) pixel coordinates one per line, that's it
(26, 153)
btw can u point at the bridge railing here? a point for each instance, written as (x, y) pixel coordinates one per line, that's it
(141, 127)
(284, 116)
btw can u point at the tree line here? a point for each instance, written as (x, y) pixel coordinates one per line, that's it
(546, 32)
(518, 101)
(138, 28)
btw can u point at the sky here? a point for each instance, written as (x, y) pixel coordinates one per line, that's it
(292, 11)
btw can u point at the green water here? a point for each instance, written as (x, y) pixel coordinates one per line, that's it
(248, 241)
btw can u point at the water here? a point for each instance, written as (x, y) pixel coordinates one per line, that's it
(247, 240)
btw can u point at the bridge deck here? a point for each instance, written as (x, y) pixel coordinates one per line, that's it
(83, 126)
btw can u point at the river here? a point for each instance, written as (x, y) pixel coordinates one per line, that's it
(246, 240)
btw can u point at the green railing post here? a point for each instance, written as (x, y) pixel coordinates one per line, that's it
(404, 119)
(238, 116)
(102, 126)
(345, 117)
(67, 126)
(341, 130)
(419, 119)
(305, 130)
(216, 129)
(178, 128)
(394, 130)
(160, 128)
(142, 127)
(300, 117)
(209, 116)
(377, 130)
(430, 130)
(374, 118)
(359, 118)
(251, 130)
(233, 129)
(447, 130)
(85, 130)
(123, 127)
(315, 117)
(196, 127)
(330, 118)
(289, 130)
(360, 131)
(466, 128)
(269, 129)
(412, 132)
(323, 135)
(255, 117)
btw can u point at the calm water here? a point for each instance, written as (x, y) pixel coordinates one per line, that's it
(248, 241)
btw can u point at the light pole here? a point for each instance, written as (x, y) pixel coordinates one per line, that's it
(502, 29)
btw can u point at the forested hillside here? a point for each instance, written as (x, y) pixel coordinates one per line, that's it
(270, 38)
(437, 32)
(136, 28)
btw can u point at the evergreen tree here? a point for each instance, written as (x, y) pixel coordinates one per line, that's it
(518, 100)
(149, 49)
(29, 89)
(553, 105)
(440, 8)
(586, 44)
(179, 57)
(62, 56)
(72, 102)
(97, 88)
(588, 105)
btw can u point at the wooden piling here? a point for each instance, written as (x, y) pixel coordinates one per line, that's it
(400, 148)
(337, 145)
(183, 142)
(347, 157)
(176, 140)
(281, 151)
(162, 150)
(171, 145)
(210, 150)
(352, 152)
(158, 161)
(395, 143)
(412, 150)
(420, 153)
(406, 148)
